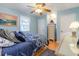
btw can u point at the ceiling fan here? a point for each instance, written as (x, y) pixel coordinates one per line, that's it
(40, 8)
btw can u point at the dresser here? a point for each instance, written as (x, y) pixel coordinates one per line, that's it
(51, 31)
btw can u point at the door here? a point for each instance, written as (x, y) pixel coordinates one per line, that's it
(65, 22)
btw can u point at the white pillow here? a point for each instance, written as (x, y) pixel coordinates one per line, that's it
(5, 43)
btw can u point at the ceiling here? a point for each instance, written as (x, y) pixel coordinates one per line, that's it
(22, 7)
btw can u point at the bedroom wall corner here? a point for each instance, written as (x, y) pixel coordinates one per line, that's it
(66, 12)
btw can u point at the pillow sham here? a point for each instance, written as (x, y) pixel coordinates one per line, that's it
(19, 36)
(5, 43)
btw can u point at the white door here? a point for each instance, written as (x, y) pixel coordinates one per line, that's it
(65, 22)
(65, 31)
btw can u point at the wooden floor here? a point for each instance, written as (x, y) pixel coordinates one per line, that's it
(52, 45)
(40, 51)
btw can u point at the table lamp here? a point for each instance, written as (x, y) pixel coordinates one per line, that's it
(74, 26)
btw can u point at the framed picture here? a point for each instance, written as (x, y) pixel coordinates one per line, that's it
(8, 20)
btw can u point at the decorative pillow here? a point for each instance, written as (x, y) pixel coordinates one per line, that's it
(5, 43)
(28, 36)
(36, 36)
(21, 33)
(19, 36)
(10, 36)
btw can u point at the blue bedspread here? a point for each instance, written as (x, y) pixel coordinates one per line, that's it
(29, 43)
(20, 49)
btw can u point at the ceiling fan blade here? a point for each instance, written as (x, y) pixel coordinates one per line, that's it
(46, 10)
(32, 11)
(41, 14)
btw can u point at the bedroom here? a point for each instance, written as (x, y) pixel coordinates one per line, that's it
(32, 29)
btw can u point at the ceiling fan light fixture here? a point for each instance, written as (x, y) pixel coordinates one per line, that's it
(40, 4)
(38, 11)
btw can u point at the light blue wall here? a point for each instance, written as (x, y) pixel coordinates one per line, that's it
(33, 19)
(65, 12)
(44, 23)
(34, 24)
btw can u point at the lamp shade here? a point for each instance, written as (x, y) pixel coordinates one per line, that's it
(74, 25)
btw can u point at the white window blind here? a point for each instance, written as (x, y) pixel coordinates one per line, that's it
(24, 24)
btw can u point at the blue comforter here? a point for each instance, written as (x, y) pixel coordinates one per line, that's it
(29, 43)
(20, 49)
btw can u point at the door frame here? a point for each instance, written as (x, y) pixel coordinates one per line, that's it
(73, 15)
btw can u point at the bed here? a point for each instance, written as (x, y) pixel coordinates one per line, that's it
(29, 43)
(20, 49)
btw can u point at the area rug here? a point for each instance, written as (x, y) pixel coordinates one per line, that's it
(48, 52)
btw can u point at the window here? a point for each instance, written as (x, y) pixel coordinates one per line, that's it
(25, 24)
